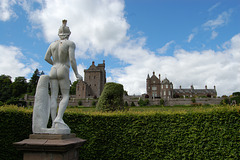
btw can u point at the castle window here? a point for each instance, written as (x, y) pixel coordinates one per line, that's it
(89, 77)
(154, 94)
(162, 86)
(153, 81)
(164, 93)
(166, 86)
(169, 93)
(154, 88)
(94, 77)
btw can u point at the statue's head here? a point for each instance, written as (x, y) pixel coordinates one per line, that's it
(64, 31)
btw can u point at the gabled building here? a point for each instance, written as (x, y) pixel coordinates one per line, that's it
(94, 81)
(157, 88)
(164, 89)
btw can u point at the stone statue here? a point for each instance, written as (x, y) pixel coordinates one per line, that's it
(60, 55)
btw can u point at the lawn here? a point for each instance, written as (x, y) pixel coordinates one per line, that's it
(154, 109)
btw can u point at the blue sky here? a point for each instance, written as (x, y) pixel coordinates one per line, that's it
(189, 42)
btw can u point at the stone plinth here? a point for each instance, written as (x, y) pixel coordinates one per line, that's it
(50, 147)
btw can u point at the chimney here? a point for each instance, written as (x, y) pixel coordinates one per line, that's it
(192, 87)
(159, 77)
(214, 87)
(205, 86)
(103, 61)
(93, 63)
(180, 87)
(148, 77)
(153, 73)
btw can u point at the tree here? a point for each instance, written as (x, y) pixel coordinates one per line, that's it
(73, 88)
(33, 82)
(5, 88)
(236, 94)
(19, 86)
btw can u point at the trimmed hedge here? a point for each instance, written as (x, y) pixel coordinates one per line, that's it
(111, 98)
(15, 125)
(154, 135)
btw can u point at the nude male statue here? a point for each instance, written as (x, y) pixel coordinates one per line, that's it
(59, 54)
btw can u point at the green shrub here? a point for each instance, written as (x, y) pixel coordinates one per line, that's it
(235, 99)
(161, 102)
(193, 100)
(79, 102)
(111, 98)
(94, 103)
(120, 135)
(1, 103)
(225, 101)
(133, 104)
(126, 104)
(142, 102)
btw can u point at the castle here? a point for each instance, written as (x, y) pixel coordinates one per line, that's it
(164, 89)
(91, 88)
(94, 81)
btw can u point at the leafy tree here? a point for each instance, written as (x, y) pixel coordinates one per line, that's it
(33, 82)
(73, 88)
(5, 88)
(19, 86)
(236, 94)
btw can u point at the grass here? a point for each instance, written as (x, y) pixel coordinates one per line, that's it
(159, 109)
(139, 110)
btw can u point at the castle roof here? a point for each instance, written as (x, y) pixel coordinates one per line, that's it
(166, 81)
(195, 91)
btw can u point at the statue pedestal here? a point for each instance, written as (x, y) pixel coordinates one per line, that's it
(50, 146)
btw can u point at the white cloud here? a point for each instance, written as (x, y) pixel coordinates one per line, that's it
(214, 6)
(200, 68)
(12, 62)
(96, 26)
(221, 20)
(6, 9)
(190, 37)
(214, 35)
(165, 47)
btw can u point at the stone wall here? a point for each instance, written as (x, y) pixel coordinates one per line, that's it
(188, 101)
(73, 101)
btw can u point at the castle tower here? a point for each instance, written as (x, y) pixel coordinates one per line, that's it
(153, 86)
(94, 81)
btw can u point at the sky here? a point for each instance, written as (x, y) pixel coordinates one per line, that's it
(189, 42)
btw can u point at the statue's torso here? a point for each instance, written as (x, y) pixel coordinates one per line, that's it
(60, 52)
